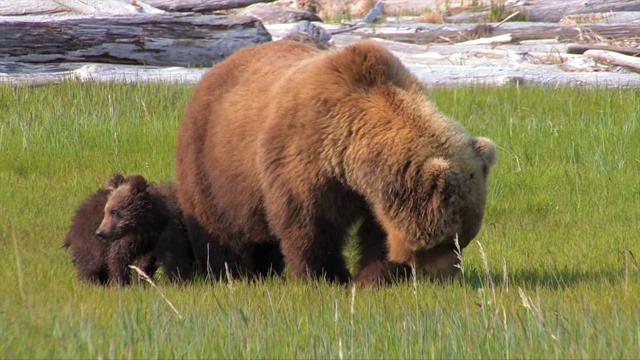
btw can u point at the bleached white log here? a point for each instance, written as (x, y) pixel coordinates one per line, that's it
(500, 39)
(430, 75)
(35, 74)
(109, 7)
(454, 33)
(614, 58)
(551, 10)
(447, 75)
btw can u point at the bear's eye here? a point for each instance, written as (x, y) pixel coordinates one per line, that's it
(471, 176)
(114, 213)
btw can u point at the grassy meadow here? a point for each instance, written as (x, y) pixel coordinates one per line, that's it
(552, 274)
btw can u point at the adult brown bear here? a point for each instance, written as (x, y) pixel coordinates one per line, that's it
(283, 143)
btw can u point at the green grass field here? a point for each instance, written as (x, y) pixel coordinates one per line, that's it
(552, 274)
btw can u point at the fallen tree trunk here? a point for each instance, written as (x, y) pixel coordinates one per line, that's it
(40, 74)
(613, 58)
(202, 5)
(551, 10)
(581, 48)
(160, 40)
(428, 33)
(106, 7)
(429, 75)
(450, 75)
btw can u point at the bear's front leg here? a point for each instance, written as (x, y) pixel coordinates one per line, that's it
(119, 258)
(373, 267)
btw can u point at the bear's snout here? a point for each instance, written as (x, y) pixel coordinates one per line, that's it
(101, 234)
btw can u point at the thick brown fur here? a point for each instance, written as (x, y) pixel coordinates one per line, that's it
(148, 230)
(89, 253)
(284, 143)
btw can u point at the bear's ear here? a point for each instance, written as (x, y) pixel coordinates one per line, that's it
(137, 182)
(441, 182)
(486, 149)
(115, 181)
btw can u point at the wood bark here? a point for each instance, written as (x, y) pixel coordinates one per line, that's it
(552, 10)
(162, 40)
(428, 33)
(202, 5)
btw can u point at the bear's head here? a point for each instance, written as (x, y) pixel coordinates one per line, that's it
(126, 207)
(437, 202)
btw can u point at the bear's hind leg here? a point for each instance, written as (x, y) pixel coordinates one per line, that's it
(208, 254)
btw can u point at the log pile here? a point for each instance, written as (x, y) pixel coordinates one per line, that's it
(43, 41)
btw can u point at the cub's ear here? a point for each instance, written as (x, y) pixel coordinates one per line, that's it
(442, 182)
(115, 181)
(137, 182)
(486, 149)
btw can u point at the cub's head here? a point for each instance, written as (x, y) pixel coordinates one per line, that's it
(443, 199)
(126, 206)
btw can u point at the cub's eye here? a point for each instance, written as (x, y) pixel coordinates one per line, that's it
(114, 213)
(471, 176)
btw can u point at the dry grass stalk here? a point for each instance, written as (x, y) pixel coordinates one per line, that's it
(153, 283)
(228, 273)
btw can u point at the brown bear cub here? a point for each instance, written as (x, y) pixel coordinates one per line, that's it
(131, 223)
(283, 143)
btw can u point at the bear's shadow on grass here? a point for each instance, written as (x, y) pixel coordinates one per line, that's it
(548, 279)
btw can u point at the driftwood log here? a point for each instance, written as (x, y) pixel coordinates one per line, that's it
(202, 5)
(274, 14)
(581, 48)
(161, 40)
(429, 75)
(551, 10)
(520, 31)
(614, 58)
(113, 7)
